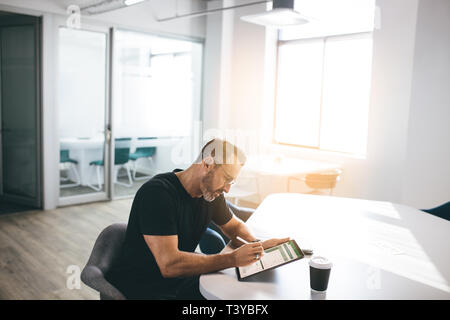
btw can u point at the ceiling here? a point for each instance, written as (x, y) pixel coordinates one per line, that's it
(100, 6)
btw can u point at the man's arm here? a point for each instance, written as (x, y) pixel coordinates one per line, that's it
(236, 227)
(175, 263)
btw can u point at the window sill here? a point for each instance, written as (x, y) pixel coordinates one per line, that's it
(314, 154)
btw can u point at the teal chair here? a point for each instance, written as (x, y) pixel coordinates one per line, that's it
(121, 158)
(442, 211)
(70, 164)
(142, 152)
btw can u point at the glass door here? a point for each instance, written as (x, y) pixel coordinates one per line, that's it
(156, 107)
(83, 106)
(20, 106)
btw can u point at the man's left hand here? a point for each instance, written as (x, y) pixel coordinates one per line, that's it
(274, 242)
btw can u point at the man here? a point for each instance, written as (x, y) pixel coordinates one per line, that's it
(168, 217)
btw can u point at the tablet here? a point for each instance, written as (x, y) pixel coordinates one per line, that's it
(272, 258)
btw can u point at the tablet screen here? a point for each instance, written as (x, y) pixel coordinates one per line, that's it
(273, 257)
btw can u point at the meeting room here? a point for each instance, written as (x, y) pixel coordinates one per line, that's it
(224, 150)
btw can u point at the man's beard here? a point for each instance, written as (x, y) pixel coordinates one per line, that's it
(208, 195)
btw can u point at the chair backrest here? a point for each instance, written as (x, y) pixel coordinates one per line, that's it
(149, 151)
(442, 211)
(242, 213)
(322, 180)
(147, 138)
(213, 241)
(104, 255)
(146, 151)
(63, 155)
(107, 246)
(122, 150)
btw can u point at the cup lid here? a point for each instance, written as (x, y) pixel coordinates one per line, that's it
(320, 262)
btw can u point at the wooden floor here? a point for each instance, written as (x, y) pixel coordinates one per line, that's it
(37, 247)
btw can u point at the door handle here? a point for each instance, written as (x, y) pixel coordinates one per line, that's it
(108, 135)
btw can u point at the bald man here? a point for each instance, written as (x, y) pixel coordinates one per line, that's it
(169, 215)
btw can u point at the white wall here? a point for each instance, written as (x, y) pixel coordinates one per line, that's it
(216, 61)
(239, 74)
(393, 51)
(426, 176)
(50, 130)
(394, 167)
(235, 71)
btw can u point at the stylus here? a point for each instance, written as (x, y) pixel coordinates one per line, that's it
(244, 241)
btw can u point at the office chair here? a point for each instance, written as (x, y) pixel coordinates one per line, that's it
(105, 253)
(320, 180)
(121, 158)
(65, 159)
(247, 185)
(442, 211)
(213, 240)
(142, 153)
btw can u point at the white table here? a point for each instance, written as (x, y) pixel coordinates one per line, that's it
(84, 151)
(380, 250)
(91, 149)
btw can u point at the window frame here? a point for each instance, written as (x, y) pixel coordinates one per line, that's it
(355, 35)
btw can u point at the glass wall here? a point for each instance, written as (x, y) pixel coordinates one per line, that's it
(155, 122)
(81, 101)
(156, 105)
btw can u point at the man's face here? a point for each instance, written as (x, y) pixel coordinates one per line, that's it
(218, 179)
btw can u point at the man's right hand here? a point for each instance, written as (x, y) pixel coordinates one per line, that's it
(248, 254)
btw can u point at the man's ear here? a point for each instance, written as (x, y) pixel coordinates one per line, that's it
(208, 162)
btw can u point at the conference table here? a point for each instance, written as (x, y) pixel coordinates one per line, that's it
(85, 150)
(379, 250)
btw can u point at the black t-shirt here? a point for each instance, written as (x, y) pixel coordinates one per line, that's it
(162, 207)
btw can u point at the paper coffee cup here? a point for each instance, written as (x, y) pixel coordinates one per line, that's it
(319, 273)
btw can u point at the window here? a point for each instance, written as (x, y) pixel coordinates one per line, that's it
(323, 89)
